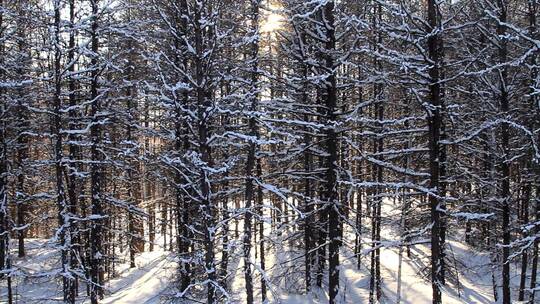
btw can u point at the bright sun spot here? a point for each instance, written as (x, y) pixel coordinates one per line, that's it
(273, 20)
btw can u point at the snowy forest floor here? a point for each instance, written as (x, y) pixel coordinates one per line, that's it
(469, 273)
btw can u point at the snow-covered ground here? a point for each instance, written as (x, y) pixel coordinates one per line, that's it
(150, 281)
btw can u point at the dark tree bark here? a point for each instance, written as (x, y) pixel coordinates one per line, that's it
(135, 225)
(204, 102)
(260, 202)
(253, 145)
(322, 224)
(149, 190)
(226, 213)
(22, 155)
(5, 261)
(526, 195)
(504, 138)
(72, 180)
(308, 204)
(533, 32)
(23, 127)
(377, 172)
(182, 144)
(4, 235)
(331, 148)
(434, 125)
(96, 170)
(359, 190)
(535, 254)
(64, 222)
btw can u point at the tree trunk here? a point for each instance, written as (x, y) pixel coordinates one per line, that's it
(23, 127)
(504, 167)
(308, 207)
(359, 192)
(5, 261)
(64, 219)
(96, 174)
(260, 202)
(534, 266)
(253, 145)
(71, 172)
(135, 231)
(204, 96)
(331, 184)
(533, 32)
(526, 193)
(434, 124)
(378, 146)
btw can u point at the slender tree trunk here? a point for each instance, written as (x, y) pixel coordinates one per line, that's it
(4, 214)
(22, 138)
(379, 169)
(262, 252)
(405, 201)
(253, 145)
(71, 172)
(133, 194)
(331, 148)
(322, 227)
(21, 196)
(226, 214)
(359, 191)
(5, 261)
(533, 31)
(534, 266)
(182, 144)
(165, 220)
(64, 222)
(204, 96)
(434, 124)
(526, 193)
(96, 192)
(308, 206)
(504, 166)
(148, 190)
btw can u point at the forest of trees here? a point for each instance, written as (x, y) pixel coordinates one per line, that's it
(228, 132)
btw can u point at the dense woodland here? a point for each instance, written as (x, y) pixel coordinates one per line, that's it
(228, 131)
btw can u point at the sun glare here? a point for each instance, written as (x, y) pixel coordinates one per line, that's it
(273, 20)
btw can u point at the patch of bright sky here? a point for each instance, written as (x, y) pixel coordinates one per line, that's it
(272, 19)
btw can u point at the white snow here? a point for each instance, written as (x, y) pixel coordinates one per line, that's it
(152, 280)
